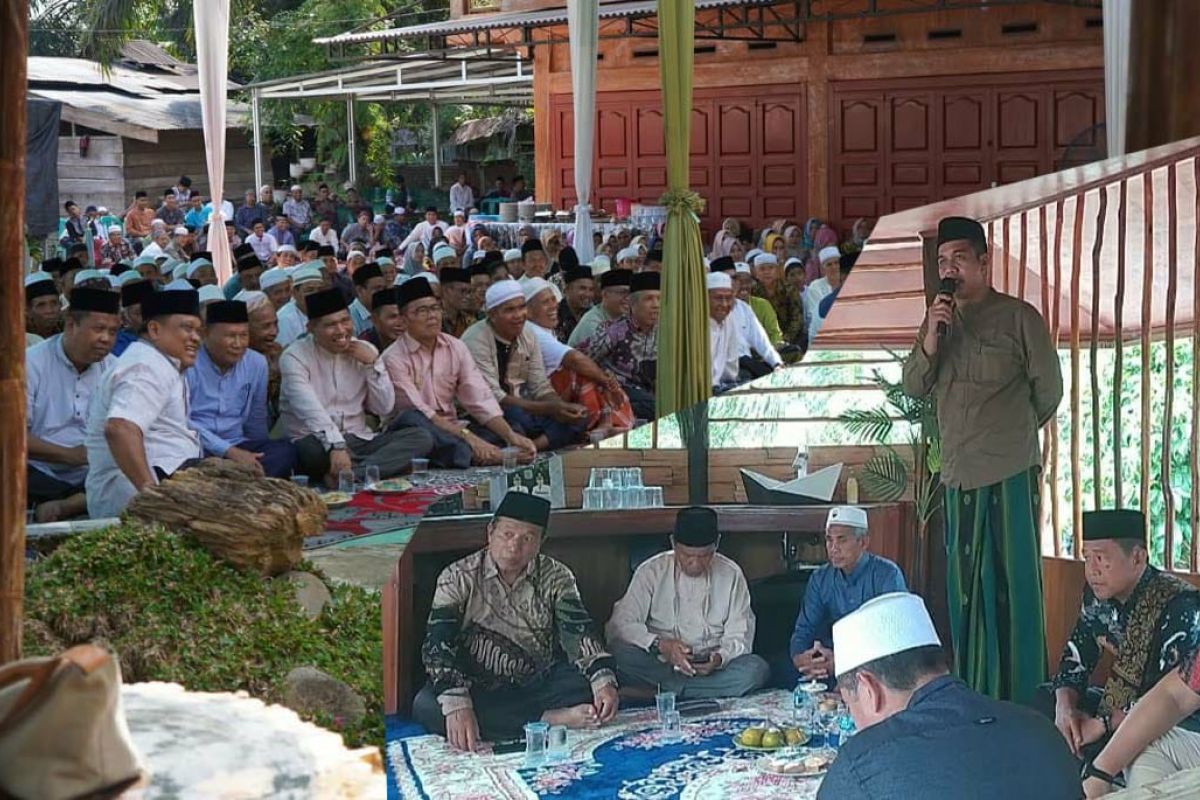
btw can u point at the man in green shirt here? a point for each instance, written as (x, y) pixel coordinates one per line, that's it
(988, 360)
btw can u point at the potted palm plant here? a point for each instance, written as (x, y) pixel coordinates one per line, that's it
(886, 475)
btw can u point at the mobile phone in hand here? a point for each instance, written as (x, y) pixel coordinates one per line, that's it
(699, 658)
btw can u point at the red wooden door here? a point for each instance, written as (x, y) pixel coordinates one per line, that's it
(747, 154)
(901, 144)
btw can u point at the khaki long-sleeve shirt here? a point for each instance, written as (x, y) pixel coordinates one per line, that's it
(996, 379)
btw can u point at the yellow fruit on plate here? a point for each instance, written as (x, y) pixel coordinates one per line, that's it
(772, 739)
(794, 736)
(752, 737)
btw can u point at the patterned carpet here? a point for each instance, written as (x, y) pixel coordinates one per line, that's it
(626, 760)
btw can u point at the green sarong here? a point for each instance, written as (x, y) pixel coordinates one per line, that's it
(994, 583)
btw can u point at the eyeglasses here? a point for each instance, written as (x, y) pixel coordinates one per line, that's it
(425, 312)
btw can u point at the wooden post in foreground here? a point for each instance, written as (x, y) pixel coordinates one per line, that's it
(14, 24)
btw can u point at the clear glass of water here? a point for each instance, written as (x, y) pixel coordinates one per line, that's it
(420, 470)
(672, 726)
(371, 477)
(656, 497)
(346, 481)
(612, 498)
(665, 703)
(558, 749)
(536, 734)
(593, 499)
(510, 456)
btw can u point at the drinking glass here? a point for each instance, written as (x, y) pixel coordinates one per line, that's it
(300, 480)
(536, 734)
(612, 498)
(558, 750)
(665, 703)
(420, 468)
(346, 481)
(593, 498)
(631, 497)
(371, 477)
(633, 477)
(672, 726)
(510, 456)
(656, 497)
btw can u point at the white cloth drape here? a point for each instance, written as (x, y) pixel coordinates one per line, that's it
(583, 22)
(1118, 16)
(212, 63)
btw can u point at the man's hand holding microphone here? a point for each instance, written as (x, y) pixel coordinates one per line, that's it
(939, 316)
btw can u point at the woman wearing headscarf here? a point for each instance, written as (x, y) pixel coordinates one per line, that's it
(457, 238)
(811, 226)
(793, 239)
(824, 237)
(737, 251)
(732, 227)
(414, 259)
(858, 236)
(775, 245)
(721, 244)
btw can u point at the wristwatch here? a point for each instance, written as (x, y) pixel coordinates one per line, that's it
(338, 446)
(1106, 718)
(1090, 770)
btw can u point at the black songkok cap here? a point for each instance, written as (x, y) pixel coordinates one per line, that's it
(323, 303)
(430, 208)
(164, 304)
(524, 507)
(242, 249)
(205, 254)
(325, 250)
(453, 275)
(696, 526)
(249, 262)
(952, 229)
(532, 246)
(134, 292)
(722, 264)
(1114, 523)
(654, 256)
(577, 274)
(120, 268)
(70, 264)
(54, 265)
(412, 289)
(480, 268)
(385, 297)
(40, 289)
(645, 282)
(385, 252)
(304, 245)
(568, 259)
(492, 259)
(364, 273)
(616, 277)
(101, 300)
(226, 311)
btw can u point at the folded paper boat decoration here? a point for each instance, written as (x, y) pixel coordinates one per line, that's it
(814, 489)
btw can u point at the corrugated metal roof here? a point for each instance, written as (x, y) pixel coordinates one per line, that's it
(520, 19)
(84, 73)
(150, 114)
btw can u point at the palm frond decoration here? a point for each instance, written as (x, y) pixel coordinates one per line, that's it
(885, 476)
(873, 424)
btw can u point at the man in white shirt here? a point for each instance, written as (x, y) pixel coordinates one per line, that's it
(423, 231)
(324, 235)
(462, 196)
(138, 431)
(264, 244)
(818, 290)
(61, 374)
(724, 338)
(368, 279)
(293, 317)
(685, 623)
(331, 381)
(756, 355)
(276, 284)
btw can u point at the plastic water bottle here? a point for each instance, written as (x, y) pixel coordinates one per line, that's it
(801, 705)
(845, 729)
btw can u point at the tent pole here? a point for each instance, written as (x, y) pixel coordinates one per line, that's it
(351, 146)
(437, 148)
(256, 122)
(14, 25)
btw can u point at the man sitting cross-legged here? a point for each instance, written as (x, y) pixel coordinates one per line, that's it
(434, 376)
(509, 639)
(685, 623)
(227, 389)
(331, 381)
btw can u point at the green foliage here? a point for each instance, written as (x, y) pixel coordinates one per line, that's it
(174, 613)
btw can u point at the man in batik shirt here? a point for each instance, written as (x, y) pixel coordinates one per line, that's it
(1137, 613)
(509, 639)
(628, 346)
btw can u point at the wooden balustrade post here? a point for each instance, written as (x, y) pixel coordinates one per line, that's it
(1076, 449)
(14, 23)
(1169, 401)
(1147, 309)
(1119, 354)
(1194, 458)
(1094, 349)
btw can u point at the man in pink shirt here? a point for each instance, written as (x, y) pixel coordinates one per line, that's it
(433, 374)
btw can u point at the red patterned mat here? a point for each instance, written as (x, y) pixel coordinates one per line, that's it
(369, 512)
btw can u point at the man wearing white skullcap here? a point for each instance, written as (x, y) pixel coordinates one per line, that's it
(818, 290)
(116, 247)
(724, 338)
(771, 287)
(852, 576)
(203, 272)
(922, 732)
(293, 317)
(515, 261)
(276, 283)
(507, 354)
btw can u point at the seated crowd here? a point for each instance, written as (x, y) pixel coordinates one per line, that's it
(311, 359)
(509, 641)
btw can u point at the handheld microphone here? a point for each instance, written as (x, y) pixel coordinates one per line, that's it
(946, 287)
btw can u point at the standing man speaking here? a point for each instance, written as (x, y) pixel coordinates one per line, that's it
(990, 363)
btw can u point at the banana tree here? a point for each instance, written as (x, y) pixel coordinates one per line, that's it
(886, 475)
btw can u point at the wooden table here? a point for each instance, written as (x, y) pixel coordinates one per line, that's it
(597, 545)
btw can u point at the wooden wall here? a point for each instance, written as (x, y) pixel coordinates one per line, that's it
(97, 179)
(1064, 45)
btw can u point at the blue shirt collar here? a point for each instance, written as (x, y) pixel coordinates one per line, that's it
(934, 686)
(860, 569)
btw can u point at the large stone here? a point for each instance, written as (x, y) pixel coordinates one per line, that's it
(311, 592)
(308, 690)
(249, 521)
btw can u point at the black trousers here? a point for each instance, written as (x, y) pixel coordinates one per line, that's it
(43, 488)
(642, 402)
(1089, 703)
(502, 713)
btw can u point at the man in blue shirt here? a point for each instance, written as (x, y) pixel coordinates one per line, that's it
(132, 295)
(852, 577)
(922, 732)
(227, 390)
